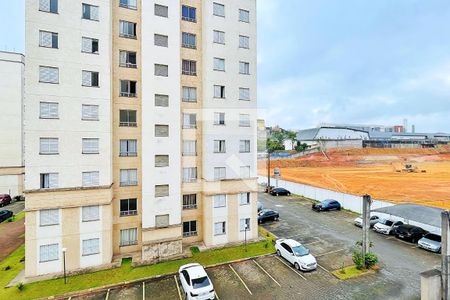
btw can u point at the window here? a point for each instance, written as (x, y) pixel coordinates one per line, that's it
(219, 146)
(48, 217)
(90, 179)
(49, 180)
(128, 88)
(91, 247)
(128, 148)
(161, 10)
(50, 6)
(127, 59)
(128, 207)
(48, 110)
(219, 37)
(244, 198)
(161, 40)
(89, 45)
(161, 70)
(219, 228)
(90, 79)
(48, 146)
(189, 228)
(244, 16)
(161, 100)
(162, 190)
(220, 201)
(48, 39)
(219, 173)
(245, 172)
(161, 161)
(128, 177)
(219, 64)
(90, 12)
(190, 174)
(90, 146)
(161, 130)
(244, 120)
(162, 221)
(189, 13)
(89, 112)
(244, 42)
(189, 40)
(131, 4)
(244, 224)
(219, 118)
(189, 67)
(48, 74)
(90, 213)
(244, 94)
(189, 94)
(48, 252)
(128, 118)
(218, 9)
(244, 146)
(219, 91)
(127, 29)
(128, 237)
(189, 121)
(244, 68)
(190, 201)
(189, 148)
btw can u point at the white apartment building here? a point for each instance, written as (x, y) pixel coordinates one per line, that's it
(140, 129)
(12, 68)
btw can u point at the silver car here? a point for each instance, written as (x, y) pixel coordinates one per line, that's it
(431, 242)
(373, 220)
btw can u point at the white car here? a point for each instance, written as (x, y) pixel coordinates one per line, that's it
(373, 220)
(195, 282)
(386, 226)
(295, 253)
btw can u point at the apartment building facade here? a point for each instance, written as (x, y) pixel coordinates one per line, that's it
(140, 129)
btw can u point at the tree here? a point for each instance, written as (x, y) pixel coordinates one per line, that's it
(274, 145)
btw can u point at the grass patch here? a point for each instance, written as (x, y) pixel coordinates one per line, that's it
(195, 250)
(350, 272)
(124, 273)
(10, 267)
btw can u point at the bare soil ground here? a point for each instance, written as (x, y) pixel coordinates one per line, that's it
(377, 172)
(11, 237)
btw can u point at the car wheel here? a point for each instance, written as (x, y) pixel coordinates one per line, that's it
(277, 194)
(288, 194)
(339, 208)
(276, 218)
(278, 253)
(297, 266)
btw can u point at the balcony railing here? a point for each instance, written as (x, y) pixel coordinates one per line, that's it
(190, 233)
(128, 124)
(128, 183)
(128, 213)
(128, 154)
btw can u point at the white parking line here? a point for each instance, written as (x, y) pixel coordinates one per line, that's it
(326, 253)
(143, 290)
(293, 270)
(217, 296)
(266, 272)
(250, 292)
(107, 295)
(323, 269)
(178, 287)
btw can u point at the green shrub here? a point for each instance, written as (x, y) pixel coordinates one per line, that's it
(195, 250)
(371, 259)
(358, 259)
(7, 268)
(20, 286)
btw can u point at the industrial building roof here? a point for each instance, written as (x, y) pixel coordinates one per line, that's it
(414, 212)
(308, 134)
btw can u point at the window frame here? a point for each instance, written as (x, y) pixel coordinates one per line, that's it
(86, 219)
(50, 6)
(189, 201)
(189, 18)
(129, 212)
(49, 116)
(127, 6)
(224, 228)
(190, 232)
(52, 33)
(83, 5)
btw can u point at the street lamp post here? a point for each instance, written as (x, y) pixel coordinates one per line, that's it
(268, 170)
(64, 264)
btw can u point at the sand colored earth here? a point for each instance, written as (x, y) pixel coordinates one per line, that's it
(377, 172)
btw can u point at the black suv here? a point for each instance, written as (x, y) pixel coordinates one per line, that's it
(267, 215)
(409, 233)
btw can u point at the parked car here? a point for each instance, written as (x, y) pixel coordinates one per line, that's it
(373, 220)
(431, 242)
(328, 204)
(5, 215)
(195, 282)
(267, 215)
(5, 199)
(280, 192)
(409, 232)
(385, 226)
(295, 253)
(260, 206)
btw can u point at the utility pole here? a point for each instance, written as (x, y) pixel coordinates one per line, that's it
(268, 170)
(445, 252)
(367, 201)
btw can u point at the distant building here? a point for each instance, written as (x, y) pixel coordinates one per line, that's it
(12, 66)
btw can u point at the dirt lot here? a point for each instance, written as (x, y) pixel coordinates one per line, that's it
(377, 172)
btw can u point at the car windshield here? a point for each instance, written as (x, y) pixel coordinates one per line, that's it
(433, 237)
(300, 250)
(201, 282)
(386, 222)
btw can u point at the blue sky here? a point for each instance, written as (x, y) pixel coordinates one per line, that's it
(352, 61)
